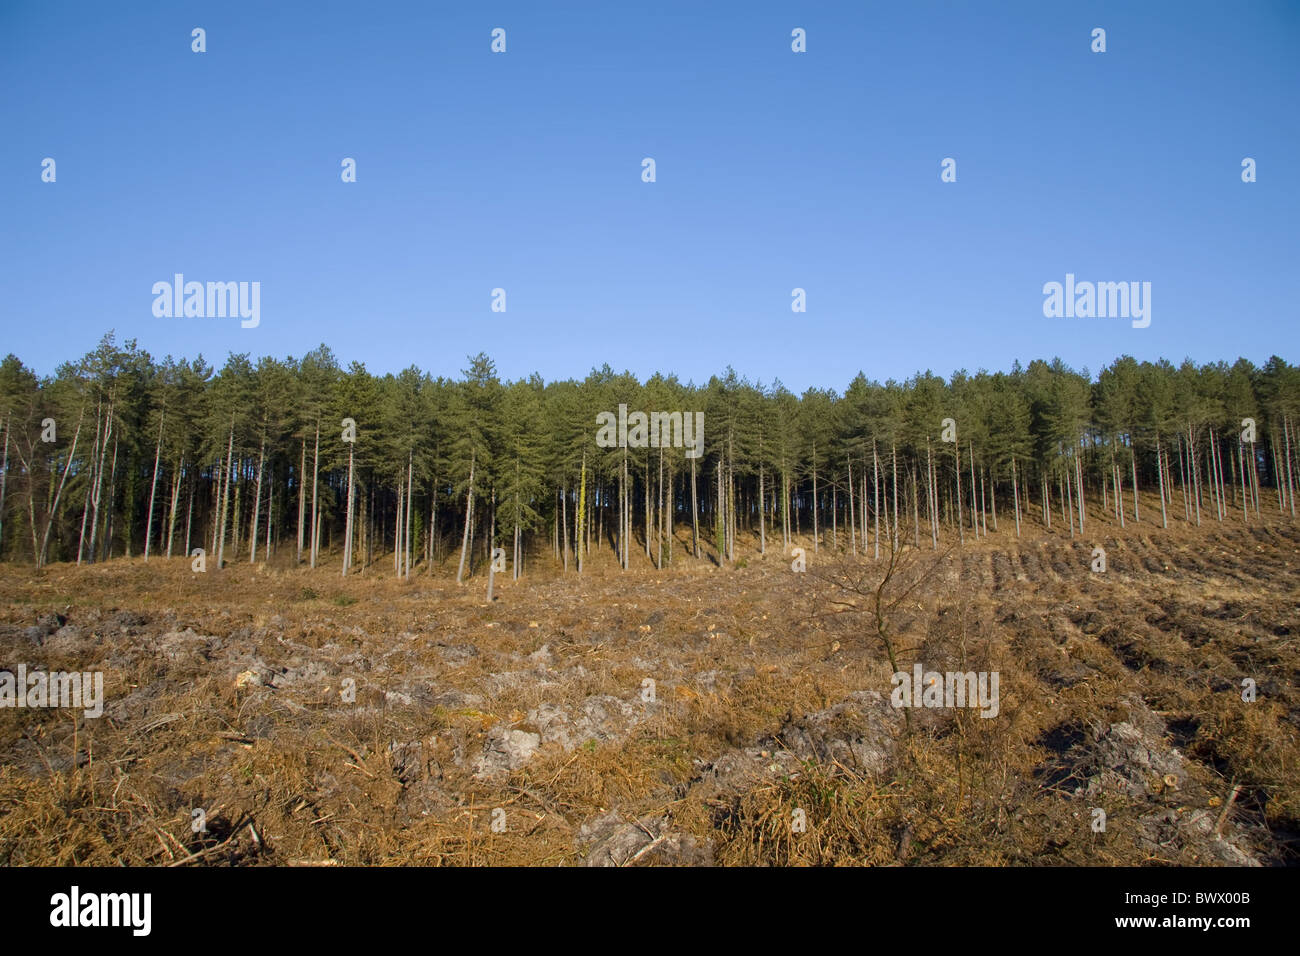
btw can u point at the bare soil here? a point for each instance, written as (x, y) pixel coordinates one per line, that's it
(230, 692)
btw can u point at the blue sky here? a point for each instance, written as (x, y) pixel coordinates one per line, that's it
(775, 170)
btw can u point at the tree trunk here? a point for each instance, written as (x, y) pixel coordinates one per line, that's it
(956, 455)
(315, 507)
(54, 507)
(406, 534)
(893, 458)
(1290, 483)
(564, 526)
(580, 512)
(99, 483)
(270, 501)
(875, 494)
(1078, 476)
(1196, 478)
(153, 487)
(347, 525)
(397, 526)
(189, 515)
(1241, 466)
(1160, 472)
(984, 514)
(302, 497)
(814, 483)
(257, 503)
(176, 493)
(974, 509)
(659, 524)
(227, 471)
(1015, 491)
(695, 512)
(932, 497)
(4, 480)
(469, 508)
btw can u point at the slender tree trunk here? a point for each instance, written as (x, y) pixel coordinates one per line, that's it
(469, 508)
(257, 504)
(239, 477)
(1241, 466)
(645, 501)
(347, 525)
(397, 526)
(993, 499)
(270, 502)
(171, 514)
(1015, 491)
(580, 512)
(1217, 476)
(410, 487)
(863, 523)
(1160, 469)
(54, 507)
(853, 529)
(695, 513)
(719, 526)
(916, 513)
(1195, 472)
(153, 486)
(90, 490)
(1182, 479)
(984, 521)
(1132, 457)
(1117, 476)
(814, 484)
(213, 515)
(564, 526)
(1290, 484)
(1067, 501)
(974, 509)
(932, 497)
(1047, 496)
(189, 514)
(432, 548)
(835, 516)
(302, 497)
(1254, 480)
(315, 503)
(1277, 475)
(4, 480)
(875, 481)
(893, 458)
(659, 525)
(227, 471)
(956, 455)
(112, 496)
(785, 509)
(1078, 475)
(99, 482)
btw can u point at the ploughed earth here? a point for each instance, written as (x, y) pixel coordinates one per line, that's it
(271, 715)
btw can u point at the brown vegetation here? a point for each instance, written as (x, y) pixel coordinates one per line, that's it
(1119, 690)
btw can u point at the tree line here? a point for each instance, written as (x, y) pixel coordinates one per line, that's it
(307, 462)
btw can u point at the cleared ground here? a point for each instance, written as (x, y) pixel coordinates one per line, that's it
(228, 692)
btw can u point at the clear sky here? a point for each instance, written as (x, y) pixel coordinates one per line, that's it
(775, 170)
